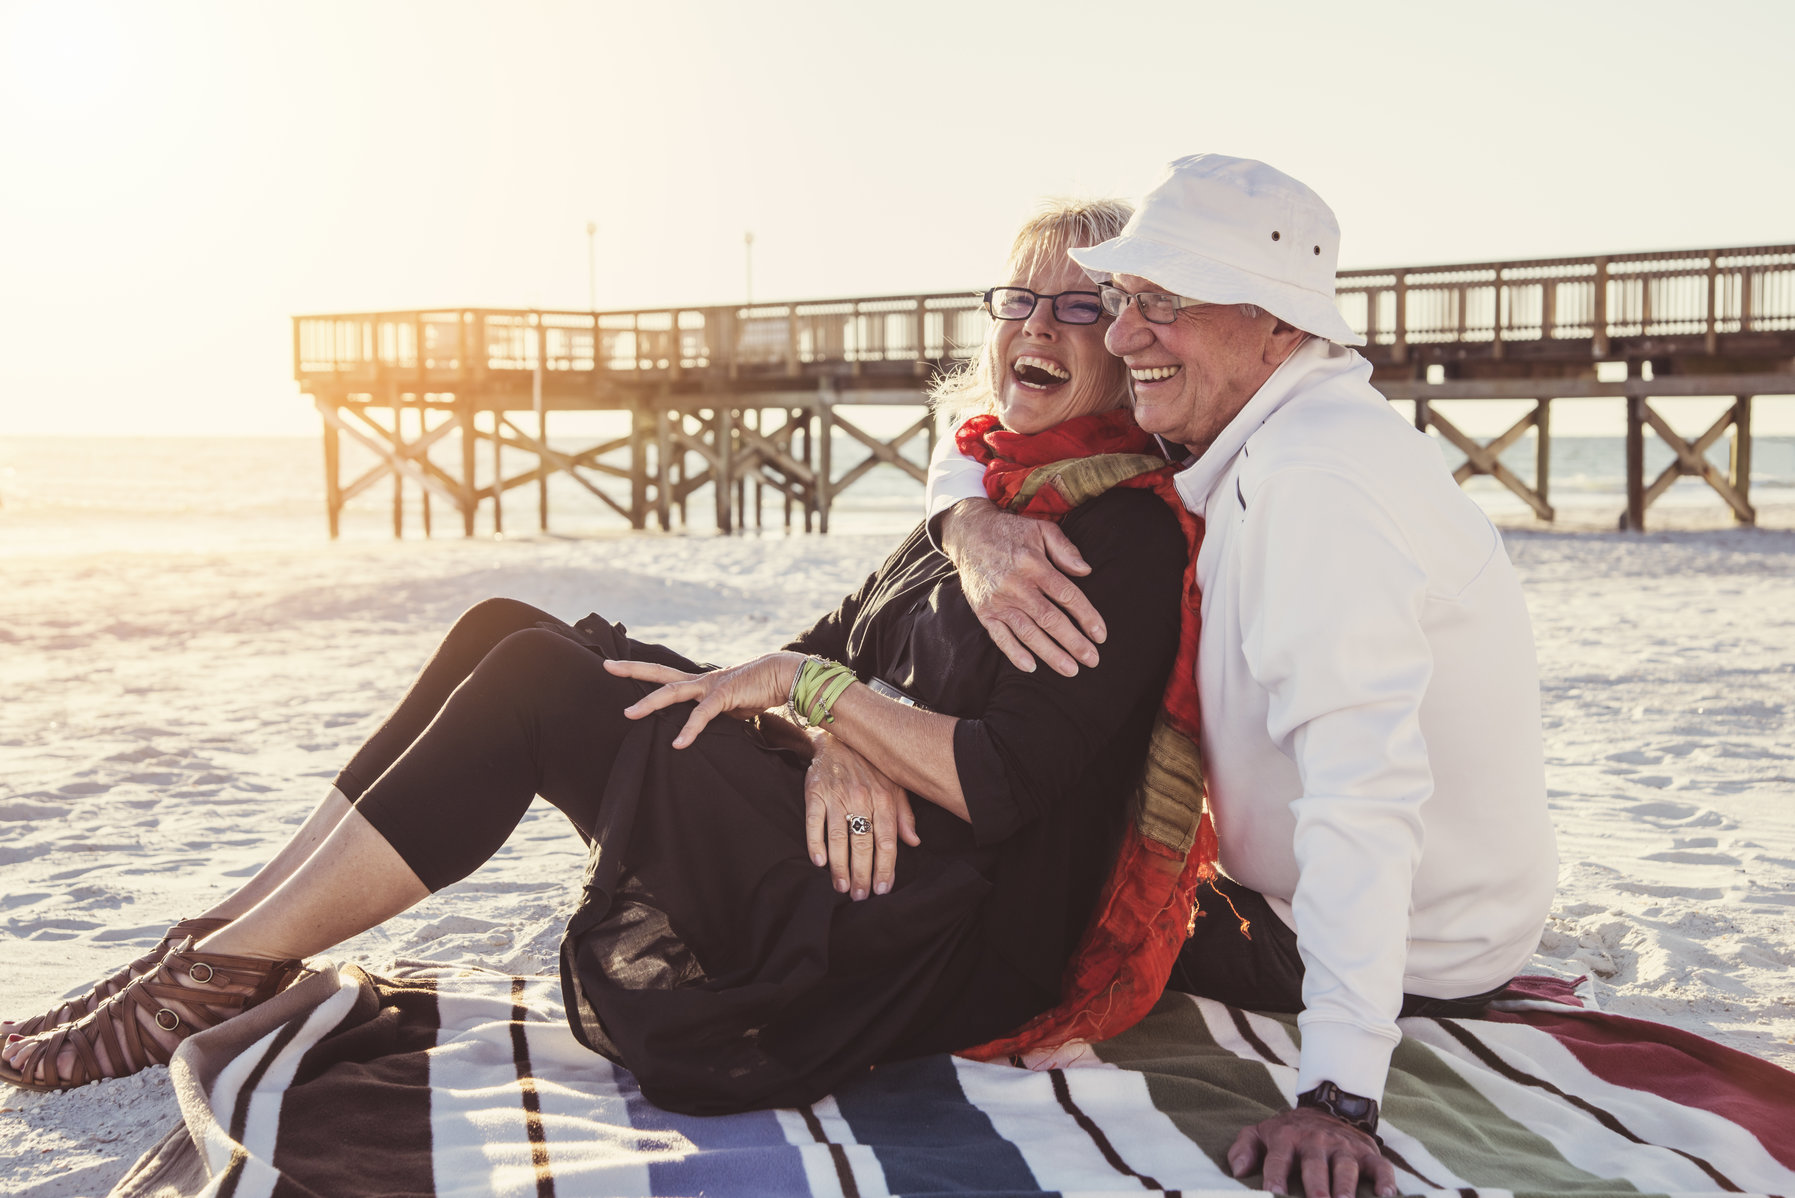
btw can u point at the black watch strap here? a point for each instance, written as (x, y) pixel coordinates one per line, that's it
(1352, 1109)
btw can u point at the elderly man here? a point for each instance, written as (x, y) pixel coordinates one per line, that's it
(1370, 700)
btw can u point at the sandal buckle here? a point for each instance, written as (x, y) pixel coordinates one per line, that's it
(167, 1027)
(193, 972)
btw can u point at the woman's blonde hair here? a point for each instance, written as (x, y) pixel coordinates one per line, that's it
(1058, 225)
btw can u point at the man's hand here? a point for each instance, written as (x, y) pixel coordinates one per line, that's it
(1013, 572)
(1331, 1155)
(841, 783)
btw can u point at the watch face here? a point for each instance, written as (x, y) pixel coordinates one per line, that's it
(1353, 1108)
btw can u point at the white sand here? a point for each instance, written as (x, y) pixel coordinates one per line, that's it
(170, 716)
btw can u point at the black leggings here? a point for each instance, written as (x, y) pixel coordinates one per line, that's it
(510, 706)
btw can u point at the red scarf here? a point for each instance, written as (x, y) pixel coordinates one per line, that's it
(1148, 905)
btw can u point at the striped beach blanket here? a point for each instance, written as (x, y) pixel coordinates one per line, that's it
(441, 1082)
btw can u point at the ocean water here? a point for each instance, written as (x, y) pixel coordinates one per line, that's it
(75, 495)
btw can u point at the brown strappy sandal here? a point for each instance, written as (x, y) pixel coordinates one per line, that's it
(78, 1008)
(189, 978)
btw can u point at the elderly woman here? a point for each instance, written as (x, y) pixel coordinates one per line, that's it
(716, 952)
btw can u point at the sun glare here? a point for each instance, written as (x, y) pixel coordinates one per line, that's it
(64, 63)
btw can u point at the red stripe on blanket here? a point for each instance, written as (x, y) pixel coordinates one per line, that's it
(1679, 1066)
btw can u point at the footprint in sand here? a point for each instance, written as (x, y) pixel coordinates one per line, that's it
(49, 929)
(148, 934)
(19, 809)
(453, 925)
(457, 937)
(133, 756)
(166, 867)
(1690, 857)
(1700, 894)
(1595, 949)
(1668, 813)
(77, 872)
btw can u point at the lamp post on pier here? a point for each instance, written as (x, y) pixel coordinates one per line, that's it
(748, 265)
(592, 265)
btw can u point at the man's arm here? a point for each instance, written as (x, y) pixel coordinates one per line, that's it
(1013, 569)
(1332, 598)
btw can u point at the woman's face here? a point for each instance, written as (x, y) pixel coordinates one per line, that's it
(1046, 371)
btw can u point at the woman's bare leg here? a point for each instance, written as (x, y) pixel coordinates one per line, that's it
(316, 829)
(540, 715)
(304, 842)
(352, 882)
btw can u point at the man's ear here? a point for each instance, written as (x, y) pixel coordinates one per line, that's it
(1282, 342)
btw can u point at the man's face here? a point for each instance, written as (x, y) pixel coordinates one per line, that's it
(1191, 377)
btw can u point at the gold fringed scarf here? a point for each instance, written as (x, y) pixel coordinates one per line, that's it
(1148, 904)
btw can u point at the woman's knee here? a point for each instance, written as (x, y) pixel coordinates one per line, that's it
(540, 665)
(481, 627)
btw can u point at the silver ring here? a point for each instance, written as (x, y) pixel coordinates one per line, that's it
(859, 825)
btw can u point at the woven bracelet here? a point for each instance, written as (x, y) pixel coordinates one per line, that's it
(818, 683)
(831, 690)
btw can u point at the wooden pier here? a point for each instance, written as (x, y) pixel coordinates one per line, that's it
(750, 396)
(1713, 322)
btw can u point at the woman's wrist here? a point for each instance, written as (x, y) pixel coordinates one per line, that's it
(791, 665)
(814, 689)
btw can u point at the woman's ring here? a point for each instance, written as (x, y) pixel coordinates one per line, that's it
(859, 825)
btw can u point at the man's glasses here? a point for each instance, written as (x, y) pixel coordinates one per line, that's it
(1159, 307)
(1018, 303)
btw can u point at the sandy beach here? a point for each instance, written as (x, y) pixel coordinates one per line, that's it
(172, 714)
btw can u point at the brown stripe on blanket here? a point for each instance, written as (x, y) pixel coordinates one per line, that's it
(373, 1071)
(844, 1168)
(233, 1173)
(1489, 1057)
(526, 1082)
(1062, 1092)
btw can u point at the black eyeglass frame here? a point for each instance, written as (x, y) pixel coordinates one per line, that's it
(1115, 301)
(1037, 297)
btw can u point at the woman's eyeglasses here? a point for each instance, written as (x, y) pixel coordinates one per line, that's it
(1069, 307)
(1159, 307)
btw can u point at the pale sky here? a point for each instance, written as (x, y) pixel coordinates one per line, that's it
(178, 179)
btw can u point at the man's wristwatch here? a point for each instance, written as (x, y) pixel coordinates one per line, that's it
(1353, 1109)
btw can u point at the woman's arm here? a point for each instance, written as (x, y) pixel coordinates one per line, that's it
(1039, 731)
(914, 748)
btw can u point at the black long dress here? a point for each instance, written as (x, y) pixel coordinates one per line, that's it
(718, 963)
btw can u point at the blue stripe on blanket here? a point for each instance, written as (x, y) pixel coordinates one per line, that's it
(735, 1154)
(928, 1137)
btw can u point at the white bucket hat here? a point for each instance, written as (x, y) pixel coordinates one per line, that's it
(1233, 231)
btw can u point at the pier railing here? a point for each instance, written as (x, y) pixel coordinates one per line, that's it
(759, 341)
(728, 396)
(1705, 301)
(1580, 305)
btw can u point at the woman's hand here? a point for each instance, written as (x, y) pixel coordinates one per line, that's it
(741, 691)
(841, 783)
